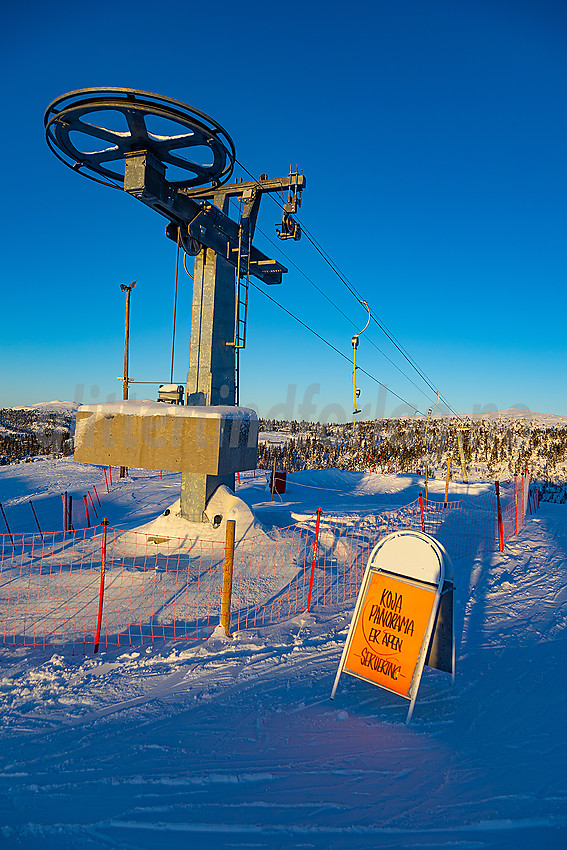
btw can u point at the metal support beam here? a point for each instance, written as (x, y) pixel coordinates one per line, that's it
(294, 182)
(227, 254)
(211, 355)
(208, 224)
(211, 378)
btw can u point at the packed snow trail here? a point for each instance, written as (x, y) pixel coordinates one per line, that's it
(236, 743)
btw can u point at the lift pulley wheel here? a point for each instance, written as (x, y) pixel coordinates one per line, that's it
(92, 130)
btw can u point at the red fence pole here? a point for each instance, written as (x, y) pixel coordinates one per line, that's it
(500, 526)
(523, 505)
(92, 503)
(421, 511)
(316, 541)
(7, 526)
(36, 519)
(96, 494)
(106, 479)
(87, 512)
(101, 591)
(515, 504)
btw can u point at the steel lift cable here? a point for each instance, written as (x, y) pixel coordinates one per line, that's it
(175, 295)
(375, 318)
(384, 329)
(330, 345)
(175, 304)
(356, 295)
(380, 324)
(335, 305)
(340, 311)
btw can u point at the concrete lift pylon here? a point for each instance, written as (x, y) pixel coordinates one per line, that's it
(177, 160)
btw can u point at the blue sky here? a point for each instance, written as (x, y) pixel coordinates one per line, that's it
(432, 135)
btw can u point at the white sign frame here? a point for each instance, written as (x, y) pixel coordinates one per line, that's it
(435, 576)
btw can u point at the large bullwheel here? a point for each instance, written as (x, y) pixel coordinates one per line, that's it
(92, 130)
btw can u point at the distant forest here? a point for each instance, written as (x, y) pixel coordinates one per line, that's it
(27, 433)
(485, 448)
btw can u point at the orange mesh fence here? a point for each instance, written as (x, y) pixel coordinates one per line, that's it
(514, 497)
(47, 583)
(271, 576)
(50, 583)
(159, 588)
(65, 511)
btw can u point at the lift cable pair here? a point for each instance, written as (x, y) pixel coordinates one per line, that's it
(330, 345)
(357, 296)
(338, 309)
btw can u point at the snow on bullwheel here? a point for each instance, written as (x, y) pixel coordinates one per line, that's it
(94, 131)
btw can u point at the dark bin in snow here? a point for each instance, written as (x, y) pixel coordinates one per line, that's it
(278, 485)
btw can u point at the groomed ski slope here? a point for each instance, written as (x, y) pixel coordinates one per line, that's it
(235, 743)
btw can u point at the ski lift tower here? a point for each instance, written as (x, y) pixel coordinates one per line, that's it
(178, 161)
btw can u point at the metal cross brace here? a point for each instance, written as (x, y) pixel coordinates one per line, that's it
(204, 221)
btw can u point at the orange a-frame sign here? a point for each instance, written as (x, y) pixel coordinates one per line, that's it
(388, 634)
(396, 615)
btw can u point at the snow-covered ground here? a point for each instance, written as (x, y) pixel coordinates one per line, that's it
(236, 744)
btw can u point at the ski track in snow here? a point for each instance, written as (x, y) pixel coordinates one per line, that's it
(236, 744)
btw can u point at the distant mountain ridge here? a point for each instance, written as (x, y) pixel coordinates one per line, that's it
(51, 406)
(511, 414)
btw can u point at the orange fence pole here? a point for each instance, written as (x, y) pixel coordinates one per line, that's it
(314, 558)
(92, 503)
(227, 576)
(500, 526)
(101, 591)
(447, 481)
(421, 511)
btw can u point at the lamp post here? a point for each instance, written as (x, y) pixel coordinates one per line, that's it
(127, 289)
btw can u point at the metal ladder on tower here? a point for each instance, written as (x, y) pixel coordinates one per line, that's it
(242, 286)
